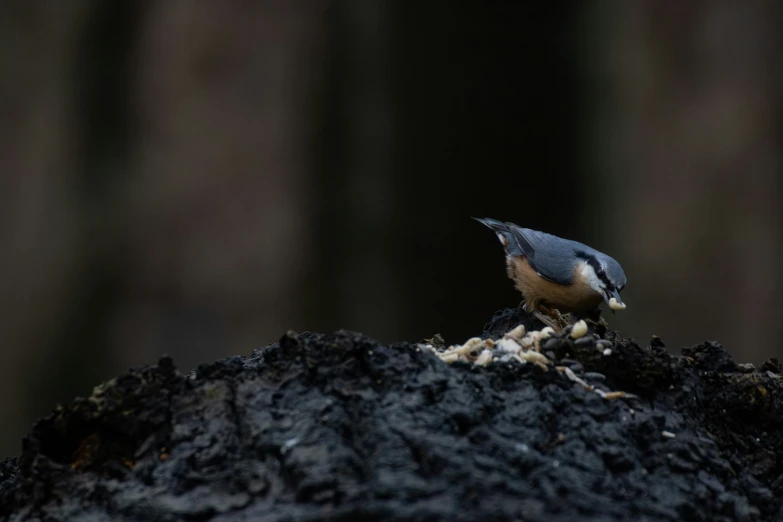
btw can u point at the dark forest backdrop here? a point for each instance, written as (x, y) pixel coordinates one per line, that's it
(196, 177)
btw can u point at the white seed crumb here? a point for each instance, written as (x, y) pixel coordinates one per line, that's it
(573, 377)
(490, 343)
(579, 329)
(534, 357)
(484, 359)
(517, 358)
(546, 333)
(507, 346)
(516, 333)
(532, 341)
(527, 341)
(449, 357)
(511, 357)
(668, 434)
(616, 305)
(470, 345)
(608, 352)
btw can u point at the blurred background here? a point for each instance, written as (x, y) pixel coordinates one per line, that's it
(196, 177)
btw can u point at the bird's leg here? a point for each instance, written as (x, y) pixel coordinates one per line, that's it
(550, 318)
(563, 320)
(546, 320)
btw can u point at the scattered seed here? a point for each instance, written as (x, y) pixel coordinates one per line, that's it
(579, 329)
(584, 341)
(608, 352)
(595, 376)
(470, 344)
(516, 333)
(472, 355)
(668, 434)
(449, 357)
(507, 346)
(572, 376)
(515, 357)
(534, 357)
(485, 358)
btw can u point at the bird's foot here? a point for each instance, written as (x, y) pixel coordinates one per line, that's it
(556, 320)
(564, 320)
(547, 320)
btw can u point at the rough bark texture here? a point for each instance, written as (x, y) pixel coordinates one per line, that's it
(335, 427)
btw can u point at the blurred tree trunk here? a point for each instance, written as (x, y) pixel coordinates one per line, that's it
(354, 275)
(435, 112)
(693, 97)
(39, 225)
(485, 96)
(154, 187)
(220, 191)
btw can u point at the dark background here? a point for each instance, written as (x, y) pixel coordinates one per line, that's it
(197, 177)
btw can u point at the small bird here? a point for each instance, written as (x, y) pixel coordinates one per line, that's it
(558, 275)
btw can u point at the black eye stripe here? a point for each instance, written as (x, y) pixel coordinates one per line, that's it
(592, 261)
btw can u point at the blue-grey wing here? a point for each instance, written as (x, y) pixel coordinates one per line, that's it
(551, 257)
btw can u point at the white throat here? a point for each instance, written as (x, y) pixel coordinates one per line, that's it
(591, 278)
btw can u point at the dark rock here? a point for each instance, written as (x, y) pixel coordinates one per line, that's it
(710, 356)
(772, 365)
(339, 427)
(657, 342)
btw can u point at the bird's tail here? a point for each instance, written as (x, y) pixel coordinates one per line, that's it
(504, 234)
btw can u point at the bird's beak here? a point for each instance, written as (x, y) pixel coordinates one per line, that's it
(614, 301)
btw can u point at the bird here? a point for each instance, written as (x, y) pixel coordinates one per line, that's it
(558, 275)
